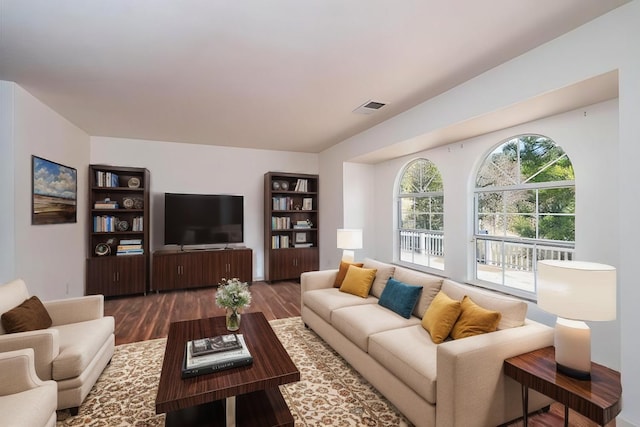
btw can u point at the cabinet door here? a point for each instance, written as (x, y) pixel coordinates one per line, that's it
(131, 274)
(165, 272)
(282, 264)
(189, 270)
(112, 275)
(306, 260)
(177, 271)
(241, 264)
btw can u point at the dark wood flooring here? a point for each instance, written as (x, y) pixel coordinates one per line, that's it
(145, 317)
(140, 318)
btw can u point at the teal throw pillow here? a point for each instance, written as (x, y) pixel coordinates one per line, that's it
(400, 297)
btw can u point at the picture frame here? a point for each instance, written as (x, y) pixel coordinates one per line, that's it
(301, 237)
(307, 204)
(54, 192)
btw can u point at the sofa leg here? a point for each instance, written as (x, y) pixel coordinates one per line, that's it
(74, 410)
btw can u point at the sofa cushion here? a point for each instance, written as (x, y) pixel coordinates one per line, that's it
(410, 355)
(358, 281)
(440, 317)
(400, 297)
(430, 286)
(324, 301)
(357, 323)
(28, 316)
(384, 271)
(33, 407)
(513, 311)
(342, 271)
(79, 343)
(474, 320)
(12, 294)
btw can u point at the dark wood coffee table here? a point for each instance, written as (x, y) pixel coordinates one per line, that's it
(248, 395)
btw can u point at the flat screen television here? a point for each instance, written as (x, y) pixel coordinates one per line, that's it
(203, 219)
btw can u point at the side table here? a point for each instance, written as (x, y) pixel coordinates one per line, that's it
(597, 399)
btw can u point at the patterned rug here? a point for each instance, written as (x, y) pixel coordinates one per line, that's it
(329, 393)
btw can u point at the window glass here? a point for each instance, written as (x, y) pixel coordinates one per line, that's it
(421, 215)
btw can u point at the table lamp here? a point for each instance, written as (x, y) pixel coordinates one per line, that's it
(349, 239)
(576, 291)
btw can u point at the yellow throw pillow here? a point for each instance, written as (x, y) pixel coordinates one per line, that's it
(358, 281)
(440, 317)
(344, 266)
(474, 320)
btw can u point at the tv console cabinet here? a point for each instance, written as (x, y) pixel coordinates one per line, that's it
(177, 269)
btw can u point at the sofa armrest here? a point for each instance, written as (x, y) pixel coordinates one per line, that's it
(44, 342)
(74, 310)
(311, 280)
(471, 388)
(17, 372)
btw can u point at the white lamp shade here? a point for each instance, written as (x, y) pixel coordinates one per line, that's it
(577, 290)
(349, 238)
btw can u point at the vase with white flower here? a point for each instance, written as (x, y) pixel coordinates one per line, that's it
(233, 295)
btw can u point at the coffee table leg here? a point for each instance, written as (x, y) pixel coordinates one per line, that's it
(231, 411)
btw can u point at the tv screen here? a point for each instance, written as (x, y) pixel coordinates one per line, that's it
(203, 219)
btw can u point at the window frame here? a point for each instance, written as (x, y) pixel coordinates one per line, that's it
(558, 248)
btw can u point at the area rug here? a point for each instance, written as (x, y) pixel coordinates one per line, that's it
(329, 393)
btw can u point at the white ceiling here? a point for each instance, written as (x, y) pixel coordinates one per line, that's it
(273, 74)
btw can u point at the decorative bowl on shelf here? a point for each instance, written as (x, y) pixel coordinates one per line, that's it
(284, 185)
(276, 185)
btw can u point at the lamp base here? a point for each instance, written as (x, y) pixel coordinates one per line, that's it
(348, 256)
(573, 348)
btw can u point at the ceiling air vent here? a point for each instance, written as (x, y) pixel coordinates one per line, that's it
(369, 107)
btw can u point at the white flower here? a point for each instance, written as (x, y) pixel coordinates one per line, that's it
(233, 293)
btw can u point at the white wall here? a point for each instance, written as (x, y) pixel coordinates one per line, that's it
(605, 44)
(192, 168)
(50, 258)
(7, 192)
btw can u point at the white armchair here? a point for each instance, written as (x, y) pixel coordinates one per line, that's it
(25, 400)
(73, 351)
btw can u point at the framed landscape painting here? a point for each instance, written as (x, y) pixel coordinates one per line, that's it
(54, 192)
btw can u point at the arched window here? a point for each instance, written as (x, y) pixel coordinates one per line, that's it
(524, 212)
(420, 215)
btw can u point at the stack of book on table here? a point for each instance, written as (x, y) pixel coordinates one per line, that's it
(207, 355)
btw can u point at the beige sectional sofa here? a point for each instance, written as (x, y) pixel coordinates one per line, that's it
(455, 383)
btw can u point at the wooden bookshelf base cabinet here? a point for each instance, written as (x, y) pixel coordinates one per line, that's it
(175, 269)
(122, 275)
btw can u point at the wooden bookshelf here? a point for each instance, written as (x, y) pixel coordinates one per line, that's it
(291, 229)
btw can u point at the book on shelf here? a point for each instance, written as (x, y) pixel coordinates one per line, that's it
(100, 205)
(130, 241)
(130, 252)
(122, 247)
(303, 245)
(279, 242)
(301, 185)
(215, 344)
(107, 179)
(214, 362)
(280, 223)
